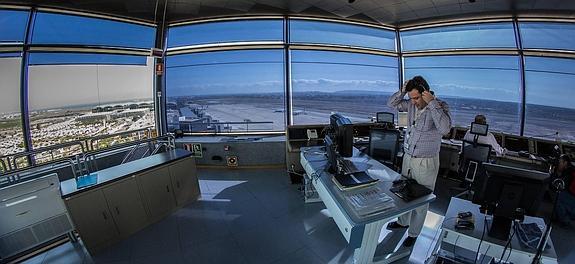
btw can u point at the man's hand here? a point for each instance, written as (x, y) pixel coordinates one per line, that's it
(403, 87)
(427, 96)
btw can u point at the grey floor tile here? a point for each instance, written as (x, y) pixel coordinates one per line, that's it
(301, 256)
(172, 257)
(224, 250)
(121, 251)
(267, 243)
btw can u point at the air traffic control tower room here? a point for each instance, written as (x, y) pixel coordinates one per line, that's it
(284, 131)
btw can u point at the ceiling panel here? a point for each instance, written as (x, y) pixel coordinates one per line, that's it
(392, 12)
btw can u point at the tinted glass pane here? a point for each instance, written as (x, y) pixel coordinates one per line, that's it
(85, 58)
(52, 28)
(549, 92)
(303, 31)
(11, 139)
(13, 25)
(471, 85)
(355, 85)
(548, 35)
(228, 31)
(227, 91)
(483, 35)
(69, 101)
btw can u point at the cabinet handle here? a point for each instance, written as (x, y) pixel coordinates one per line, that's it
(117, 210)
(167, 188)
(104, 215)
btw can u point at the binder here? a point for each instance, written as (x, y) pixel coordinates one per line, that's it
(353, 180)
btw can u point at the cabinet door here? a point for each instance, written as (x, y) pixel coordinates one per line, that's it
(157, 191)
(92, 218)
(126, 206)
(185, 181)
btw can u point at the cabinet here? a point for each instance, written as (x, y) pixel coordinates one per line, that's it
(117, 209)
(157, 190)
(184, 181)
(126, 206)
(92, 219)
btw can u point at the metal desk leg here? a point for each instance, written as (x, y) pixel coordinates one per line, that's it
(365, 253)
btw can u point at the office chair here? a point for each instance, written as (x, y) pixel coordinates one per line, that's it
(384, 145)
(472, 157)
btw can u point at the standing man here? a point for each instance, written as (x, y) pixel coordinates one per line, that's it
(428, 119)
(565, 210)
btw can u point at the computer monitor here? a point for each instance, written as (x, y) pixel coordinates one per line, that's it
(341, 131)
(479, 129)
(402, 119)
(547, 149)
(384, 117)
(516, 143)
(508, 193)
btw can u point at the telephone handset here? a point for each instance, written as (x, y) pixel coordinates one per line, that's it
(311, 134)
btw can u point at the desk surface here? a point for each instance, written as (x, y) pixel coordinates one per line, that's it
(313, 159)
(457, 205)
(109, 175)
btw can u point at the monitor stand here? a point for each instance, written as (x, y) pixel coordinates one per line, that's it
(500, 227)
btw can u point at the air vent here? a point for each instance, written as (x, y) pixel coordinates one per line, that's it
(51, 228)
(15, 242)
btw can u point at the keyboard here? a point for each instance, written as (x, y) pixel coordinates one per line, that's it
(348, 167)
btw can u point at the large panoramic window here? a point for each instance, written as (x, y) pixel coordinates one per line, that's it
(356, 85)
(550, 111)
(11, 139)
(479, 35)
(13, 25)
(545, 35)
(320, 32)
(471, 85)
(74, 96)
(226, 91)
(50, 28)
(226, 31)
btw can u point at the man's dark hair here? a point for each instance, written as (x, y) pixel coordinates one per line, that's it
(418, 83)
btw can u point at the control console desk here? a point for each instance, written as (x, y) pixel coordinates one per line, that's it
(361, 232)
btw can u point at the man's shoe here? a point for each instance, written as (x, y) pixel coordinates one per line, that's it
(409, 241)
(395, 225)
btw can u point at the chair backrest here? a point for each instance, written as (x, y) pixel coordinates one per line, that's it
(473, 155)
(384, 144)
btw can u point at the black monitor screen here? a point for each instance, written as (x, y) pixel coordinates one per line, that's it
(516, 143)
(509, 193)
(342, 134)
(545, 149)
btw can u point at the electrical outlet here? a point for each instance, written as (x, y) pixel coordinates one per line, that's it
(232, 161)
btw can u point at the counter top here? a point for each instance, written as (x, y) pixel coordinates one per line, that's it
(69, 187)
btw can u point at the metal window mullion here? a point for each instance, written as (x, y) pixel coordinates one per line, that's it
(159, 95)
(400, 68)
(287, 75)
(523, 92)
(24, 111)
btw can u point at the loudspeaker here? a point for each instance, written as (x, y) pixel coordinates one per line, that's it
(232, 161)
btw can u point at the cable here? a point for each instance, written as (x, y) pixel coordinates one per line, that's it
(435, 235)
(454, 246)
(480, 241)
(483, 257)
(507, 244)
